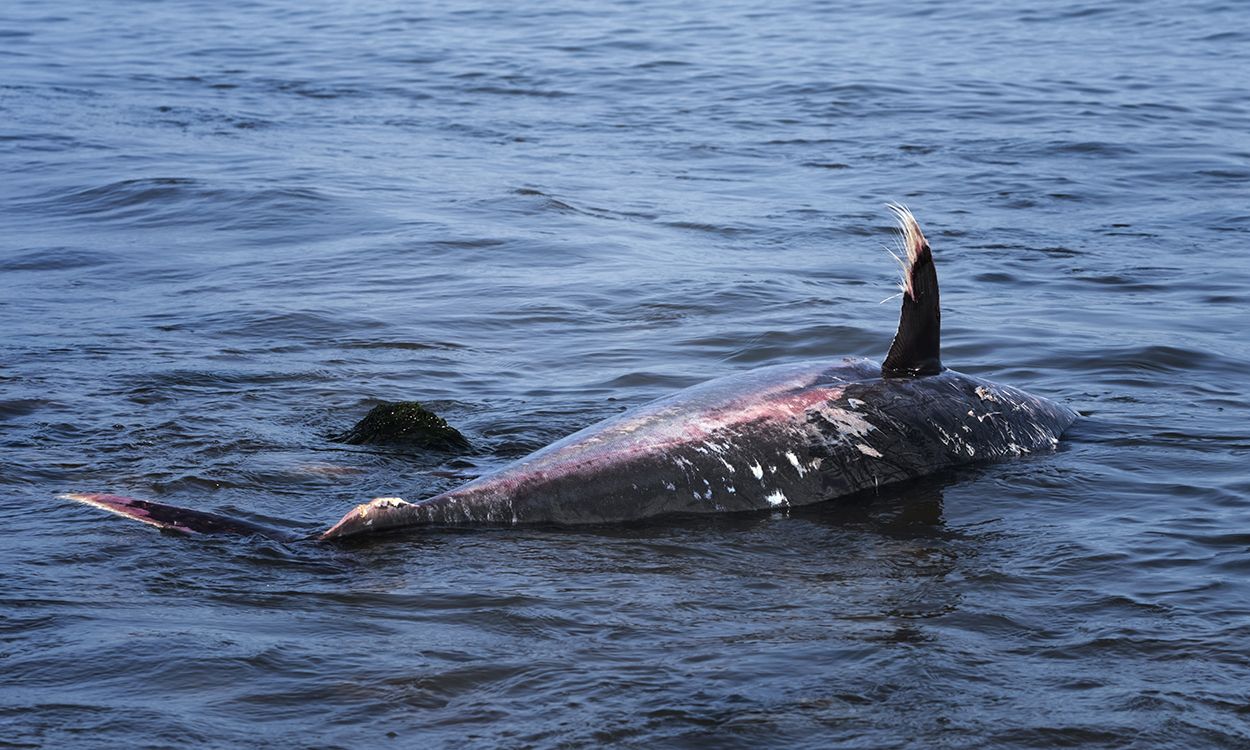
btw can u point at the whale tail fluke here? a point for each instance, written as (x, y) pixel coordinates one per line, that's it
(917, 346)
(178, 520)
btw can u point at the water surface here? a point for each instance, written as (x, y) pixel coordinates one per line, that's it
(229, 230)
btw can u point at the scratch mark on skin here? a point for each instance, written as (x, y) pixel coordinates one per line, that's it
(985, 416)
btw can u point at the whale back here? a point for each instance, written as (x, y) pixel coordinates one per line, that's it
(777, 437)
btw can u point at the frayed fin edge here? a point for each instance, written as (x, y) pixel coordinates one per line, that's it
(914, 244)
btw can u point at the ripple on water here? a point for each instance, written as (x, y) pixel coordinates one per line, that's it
(155, 202)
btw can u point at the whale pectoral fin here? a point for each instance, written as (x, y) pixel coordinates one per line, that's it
(379, 514)
(177, 520)
(917, 346)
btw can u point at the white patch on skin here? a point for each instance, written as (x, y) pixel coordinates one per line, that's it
(362, 511)
(868, 450)
(848, 422)
(776, 498)
(855, 403)
(388, 502)
(794, 461)
(757, 470)
(986, 394)
(670, 486)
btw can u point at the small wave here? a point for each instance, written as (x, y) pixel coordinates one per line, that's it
(169, 201)
(403, 345)
(563, 206)
(723, 230)
(1225, 36)
(20, 407)
(55, 259)
(509, 91)
(1091, 148)
(1149, 359)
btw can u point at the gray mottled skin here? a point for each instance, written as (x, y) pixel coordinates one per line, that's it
(774, 437)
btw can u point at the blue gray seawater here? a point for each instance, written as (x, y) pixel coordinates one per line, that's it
(227, 230)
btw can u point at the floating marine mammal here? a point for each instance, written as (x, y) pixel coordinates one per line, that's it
(774, 437)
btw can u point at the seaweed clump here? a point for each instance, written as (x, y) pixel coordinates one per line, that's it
(404, 423)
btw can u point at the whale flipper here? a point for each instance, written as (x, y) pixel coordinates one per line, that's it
(917, 346)
(177, 520)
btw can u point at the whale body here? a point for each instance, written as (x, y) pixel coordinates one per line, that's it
(774, 437)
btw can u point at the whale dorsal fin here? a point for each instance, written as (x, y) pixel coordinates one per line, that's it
(917, 346)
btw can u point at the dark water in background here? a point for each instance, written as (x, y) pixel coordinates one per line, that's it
(228, 229)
